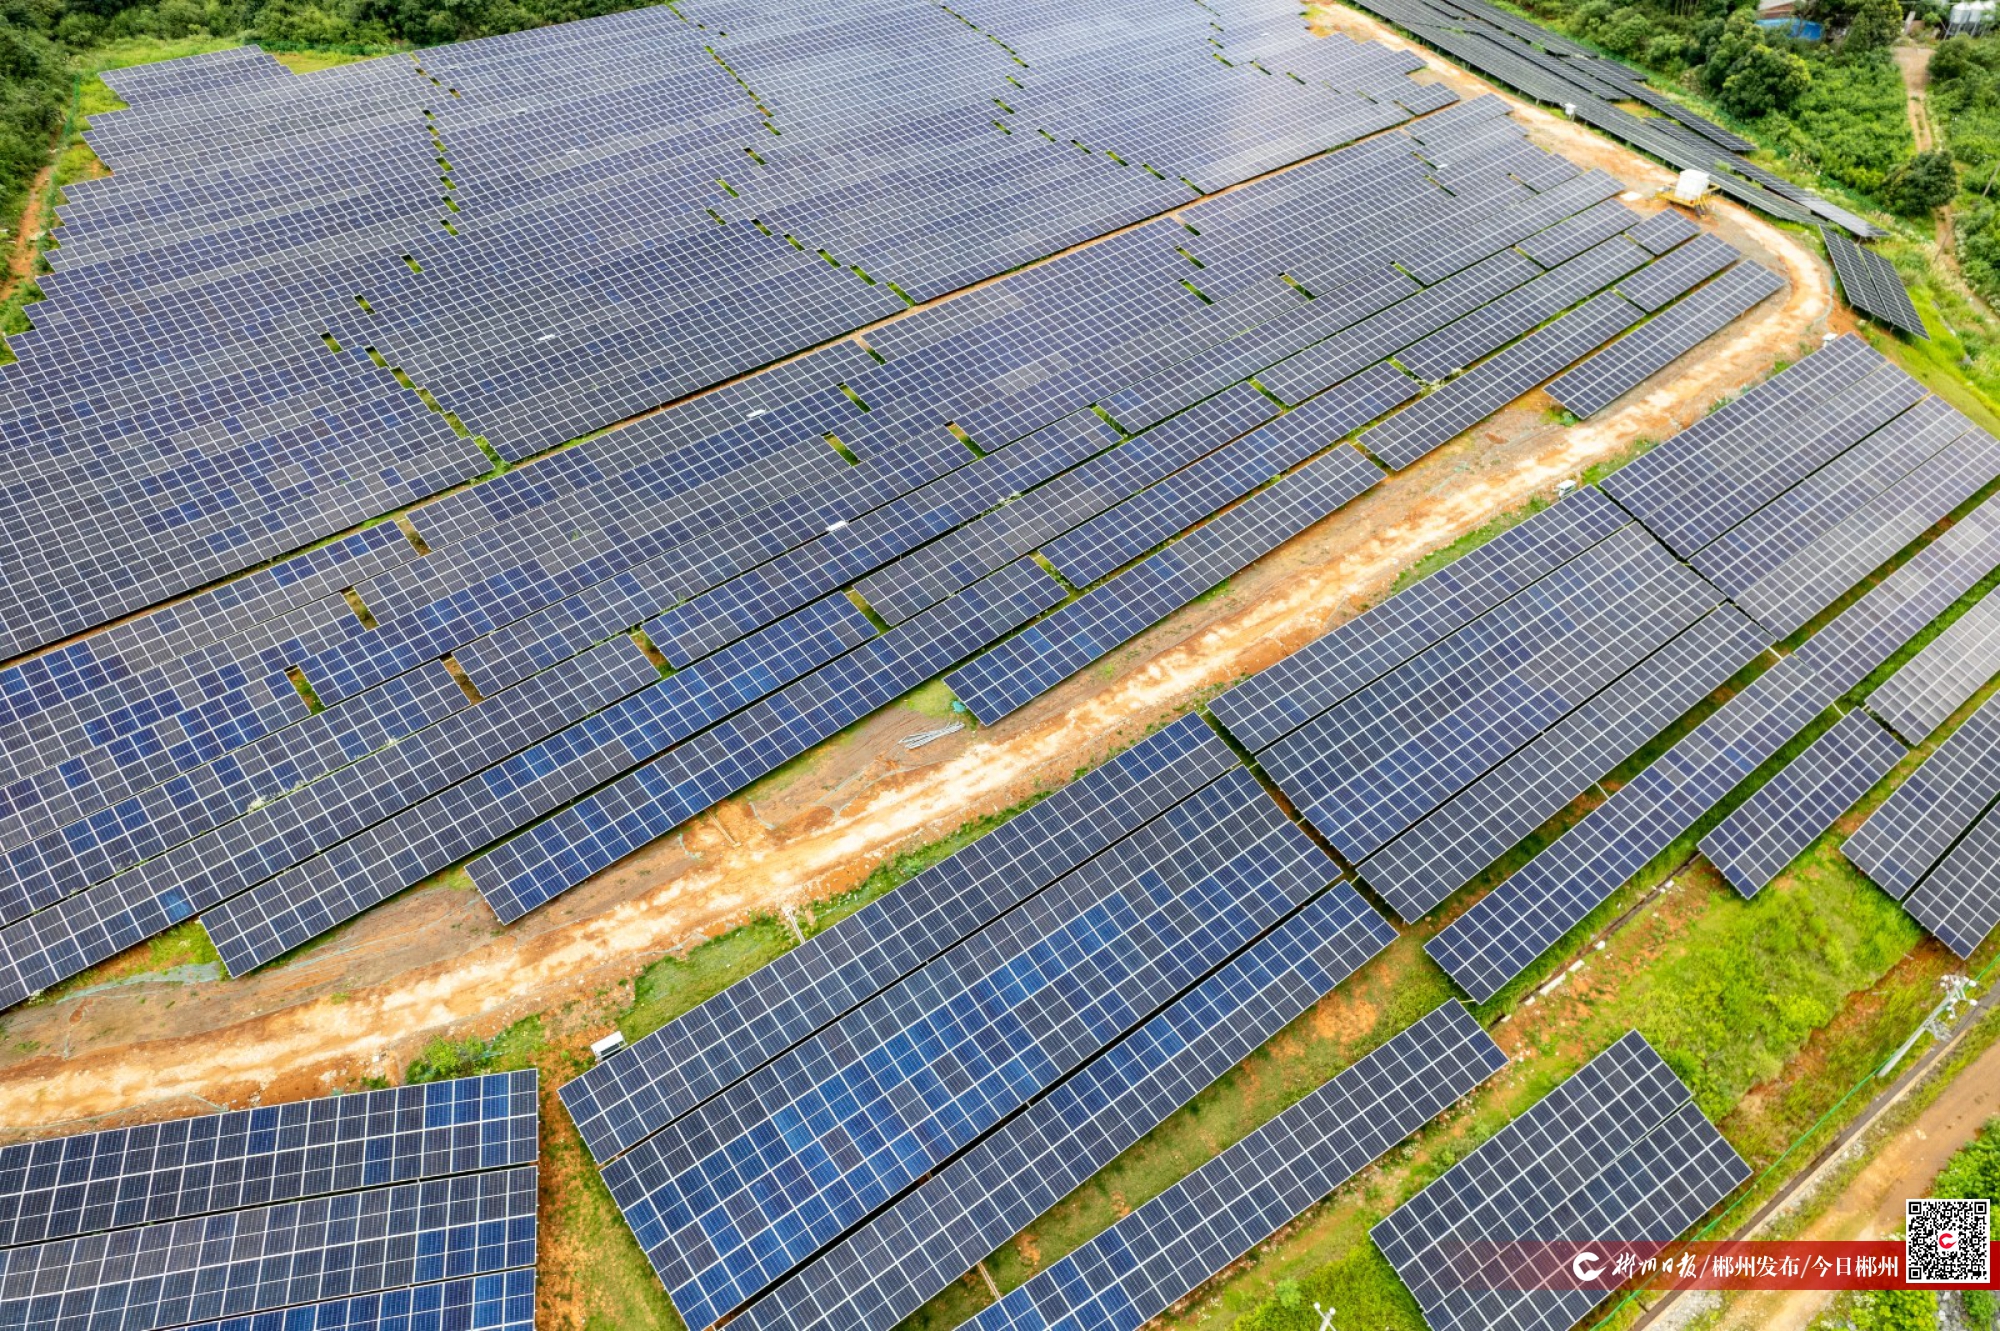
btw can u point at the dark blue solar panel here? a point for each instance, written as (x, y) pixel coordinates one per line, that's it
(1153, 1257)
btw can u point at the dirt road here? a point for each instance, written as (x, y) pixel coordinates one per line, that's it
(1915, 63)
(433, 962)
(1871, 1206)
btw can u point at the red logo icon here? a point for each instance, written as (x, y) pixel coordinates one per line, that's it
(1947, 1240)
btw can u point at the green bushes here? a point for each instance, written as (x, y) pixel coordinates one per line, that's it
(1851, 122)
(1749, 75)
(34, 96)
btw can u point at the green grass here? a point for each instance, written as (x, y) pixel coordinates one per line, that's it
(934, 699)
(186, 944)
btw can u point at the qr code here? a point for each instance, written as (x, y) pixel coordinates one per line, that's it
(1950, 1242)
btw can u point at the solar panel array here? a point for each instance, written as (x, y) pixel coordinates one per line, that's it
(1639, 355)
(1872, 284)
(655, 1080)
(1617, 1153)
(1938, 680)
(1161, 1251)
(721, 193)
(1789, 812)
(1432, 734)
(729, 1198)
(1930, 810)
(411, 1207)
(1542, 64)
(482, 701)
(906, 1254)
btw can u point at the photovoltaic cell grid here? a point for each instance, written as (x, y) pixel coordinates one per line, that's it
(502, 1302)
(401, 1209)
(1605, 377)
(729, 1198)
(656, 1079)
(352, 178)
(1927, 814)
(1872, 284)
(65, 1186)
(1616, 1153)
(1375, 764)
(1507, 929)
(1447, 849)
(1731, 476)
(935, 1234)
(1149, 1259)
(122, 827)
(1544, 65)
(1938, 680)
(1790, 811)
(265, 1258)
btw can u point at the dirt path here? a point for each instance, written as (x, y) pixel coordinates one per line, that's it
(1871, 1206)
(1915, 63)
(22, 249)
(432, 962)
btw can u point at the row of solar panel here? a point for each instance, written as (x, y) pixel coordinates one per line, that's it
(1542, 64)
(288, 909)
(1431, 734)
(524, 351)
(408, 1209)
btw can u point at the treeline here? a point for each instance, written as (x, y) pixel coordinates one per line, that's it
(44, 42)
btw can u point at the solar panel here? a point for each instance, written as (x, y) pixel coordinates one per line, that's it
(1370, 767)
(529, 572)
(1491, 385)
(1663, 230)
(1938, 680)
(936, 1233)
(1872, 630)
(1155, 515)
(1717, 472)
(656, 1079)
(62, 1187)
(1789, 595)
(1632, 359)
(502, 1302)
(1872, 285)
(1748, 551)
(1933, 807)
(263, 1258)
(1046, 653)
(1617, 1152)
(1789, 812)
(1486, 329)
(1960, 901)
(1160, 1252)
(728, 1199)
(1446, 850)
(1542, 64)
(1509, 927)
(1276, 701)
(1658, 283)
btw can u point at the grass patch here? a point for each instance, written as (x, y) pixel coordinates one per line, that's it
(933, 699)
(311, 61)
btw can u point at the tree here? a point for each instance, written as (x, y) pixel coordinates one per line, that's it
(1927, 182)
(1749, 76)
(1875, 26)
